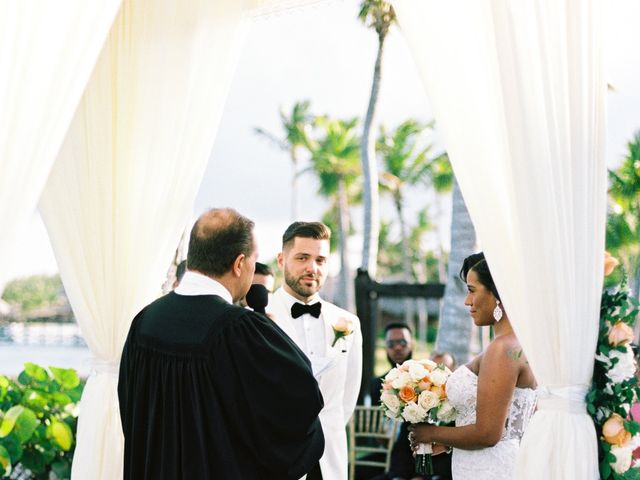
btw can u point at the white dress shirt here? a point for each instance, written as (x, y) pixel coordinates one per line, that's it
(310, 330)
(194, 283)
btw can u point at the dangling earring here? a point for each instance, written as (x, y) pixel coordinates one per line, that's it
(497, 312)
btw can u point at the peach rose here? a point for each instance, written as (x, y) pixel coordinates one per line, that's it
(439, 390)
(609, 263)
(343, 326)
(613, 431)
(620, 334)
(407, 394)
(424, 384)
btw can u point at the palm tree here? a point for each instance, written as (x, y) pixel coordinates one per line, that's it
(406, 165)
(379, 15)
(623, 222)
(335, 160)
(455, 329)
(296, 128)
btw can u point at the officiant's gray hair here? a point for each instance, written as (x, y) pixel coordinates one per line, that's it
(315, 230)
(218, 237)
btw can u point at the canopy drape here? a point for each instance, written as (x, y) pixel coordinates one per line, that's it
(518, 93)
(125, 180)
(47, 52)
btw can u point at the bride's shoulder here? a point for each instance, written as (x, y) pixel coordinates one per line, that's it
(505, 346)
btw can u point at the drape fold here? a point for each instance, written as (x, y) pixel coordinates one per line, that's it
(47, 52)
(518, 93)
(125, 180)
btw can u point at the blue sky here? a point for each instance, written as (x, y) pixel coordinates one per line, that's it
(324, 54)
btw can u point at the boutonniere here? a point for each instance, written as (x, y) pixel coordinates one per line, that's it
(342, 328)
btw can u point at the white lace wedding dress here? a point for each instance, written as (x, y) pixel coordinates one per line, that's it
(497, 462)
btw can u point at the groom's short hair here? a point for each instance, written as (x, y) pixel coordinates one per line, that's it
(315, 230)
(217, 238)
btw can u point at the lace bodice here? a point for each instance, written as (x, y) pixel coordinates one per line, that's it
(497, 462)
(462, 389)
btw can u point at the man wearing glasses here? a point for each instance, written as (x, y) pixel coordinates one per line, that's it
(398, 344)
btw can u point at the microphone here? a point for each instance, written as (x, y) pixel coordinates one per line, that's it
(257, 298)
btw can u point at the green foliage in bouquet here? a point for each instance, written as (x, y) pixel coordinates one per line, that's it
(38, 416)
(615, 388)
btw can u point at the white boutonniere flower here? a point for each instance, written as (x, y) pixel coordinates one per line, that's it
(342, 328)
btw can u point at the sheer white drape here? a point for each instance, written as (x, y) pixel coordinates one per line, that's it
(125, 180)
(47, 51)
(518, 93)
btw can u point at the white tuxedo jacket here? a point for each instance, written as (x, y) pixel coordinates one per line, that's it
(339, 382)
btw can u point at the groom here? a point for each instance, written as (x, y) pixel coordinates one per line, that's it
(337, 362)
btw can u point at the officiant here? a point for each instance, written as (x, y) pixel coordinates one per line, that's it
(211, 390)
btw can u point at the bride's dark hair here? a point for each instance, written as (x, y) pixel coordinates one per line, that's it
(478, 264)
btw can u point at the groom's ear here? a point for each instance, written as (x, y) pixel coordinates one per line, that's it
(281, 260)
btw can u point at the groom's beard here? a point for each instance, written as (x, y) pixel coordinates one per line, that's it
(296, 284)
(393, 364)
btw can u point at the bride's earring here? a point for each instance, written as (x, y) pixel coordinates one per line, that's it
(497, 312)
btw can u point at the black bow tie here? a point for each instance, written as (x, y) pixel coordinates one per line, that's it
(298, 309)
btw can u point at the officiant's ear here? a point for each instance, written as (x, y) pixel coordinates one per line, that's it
(238, 264)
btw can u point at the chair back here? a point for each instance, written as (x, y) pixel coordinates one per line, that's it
(371, 438)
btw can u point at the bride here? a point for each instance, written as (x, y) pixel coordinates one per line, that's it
(493, 394)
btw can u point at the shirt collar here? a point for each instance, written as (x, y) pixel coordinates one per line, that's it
(290, 299)
(195, 283)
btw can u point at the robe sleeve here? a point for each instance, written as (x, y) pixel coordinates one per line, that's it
(267, 389)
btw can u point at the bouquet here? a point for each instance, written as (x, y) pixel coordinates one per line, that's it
(415, 392)
(614, 387)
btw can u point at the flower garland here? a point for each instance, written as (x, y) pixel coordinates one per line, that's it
(614, 388)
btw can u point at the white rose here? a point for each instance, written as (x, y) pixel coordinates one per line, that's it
(417, 371)
(446, 412)
(438, 377)
(427, 400)
(392, 375)
(391, 402)
(623, 458)
(404, 378)
(625, 368)
(414, 413)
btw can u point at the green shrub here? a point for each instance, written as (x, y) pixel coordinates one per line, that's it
(38, 416)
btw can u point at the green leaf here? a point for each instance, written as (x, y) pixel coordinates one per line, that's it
(9, 420)
(60, 399)
(13, 446)
(66, 377)
(5, 462)
(61, 434)
(34, 400)
(36, 372)
(33, 460)
(62, 469)
(19, 420)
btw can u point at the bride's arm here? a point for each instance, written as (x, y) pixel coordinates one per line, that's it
(499, 369)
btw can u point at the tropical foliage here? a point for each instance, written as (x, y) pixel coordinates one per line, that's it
(34, 292)
(615, 387)
(623, 221)
(38, 415)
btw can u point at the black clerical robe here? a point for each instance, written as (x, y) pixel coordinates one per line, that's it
(211, 390)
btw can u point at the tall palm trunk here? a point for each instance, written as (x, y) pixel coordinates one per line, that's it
(370, 173)
(406, 263)
(294, 184)
(454, 333)
(345, 297)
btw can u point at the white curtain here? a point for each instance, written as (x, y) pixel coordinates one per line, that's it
(518, 92)
(47, 51)
(125, 180)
